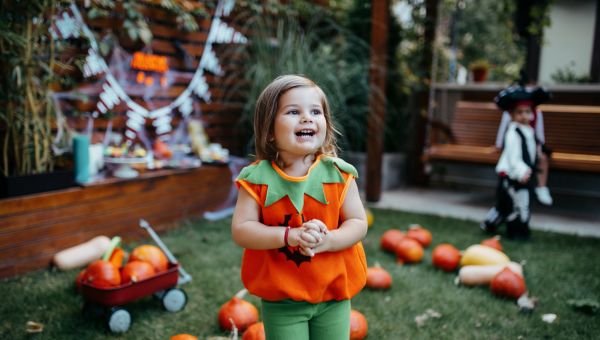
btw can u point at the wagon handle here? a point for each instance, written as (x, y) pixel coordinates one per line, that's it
(184, 277)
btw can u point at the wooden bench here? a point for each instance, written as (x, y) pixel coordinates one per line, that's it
(572, 131)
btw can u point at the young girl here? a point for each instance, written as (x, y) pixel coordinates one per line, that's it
(299, 217)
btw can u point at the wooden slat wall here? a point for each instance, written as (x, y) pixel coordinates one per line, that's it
(175, 44)
(33, 228)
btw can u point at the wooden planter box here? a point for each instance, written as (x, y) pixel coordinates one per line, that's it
(35, 227)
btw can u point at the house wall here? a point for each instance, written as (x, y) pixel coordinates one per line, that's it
(568, 41)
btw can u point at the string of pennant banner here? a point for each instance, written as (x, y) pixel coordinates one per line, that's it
(71, 24)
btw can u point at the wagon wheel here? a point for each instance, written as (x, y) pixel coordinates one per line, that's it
(119, 320)
(174, 300)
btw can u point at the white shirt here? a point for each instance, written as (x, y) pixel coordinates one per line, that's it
(511, 160)
(539, 128)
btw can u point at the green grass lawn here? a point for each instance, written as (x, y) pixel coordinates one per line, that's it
(559, 268)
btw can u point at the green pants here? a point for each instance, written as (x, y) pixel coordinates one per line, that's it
(297, 320)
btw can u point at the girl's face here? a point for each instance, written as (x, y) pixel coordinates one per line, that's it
(522, 114)
(300, 125)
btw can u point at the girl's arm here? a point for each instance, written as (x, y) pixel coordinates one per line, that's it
(354, 225)
(249, 233)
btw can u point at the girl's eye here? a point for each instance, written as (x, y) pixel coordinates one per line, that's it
(316, 112)
(293, 112)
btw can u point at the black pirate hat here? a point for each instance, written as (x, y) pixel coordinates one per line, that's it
(509, 97)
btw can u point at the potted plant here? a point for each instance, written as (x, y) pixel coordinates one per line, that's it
(480, 69)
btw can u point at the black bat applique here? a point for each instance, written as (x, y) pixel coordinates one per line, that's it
(293, 253)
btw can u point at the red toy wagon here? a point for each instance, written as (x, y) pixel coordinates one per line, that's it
(108, 302)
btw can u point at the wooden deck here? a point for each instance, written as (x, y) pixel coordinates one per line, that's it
(33, 228)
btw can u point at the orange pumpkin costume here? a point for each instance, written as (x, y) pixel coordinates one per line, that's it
(285, 273)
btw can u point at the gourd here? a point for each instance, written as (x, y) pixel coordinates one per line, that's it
(183, 336)
(390, 238)
(482, 255)
(422, 235)
(117, 257)
(358, 325)
(446, 257)
(135, 271)
(378, 278)
(255, 332)
(475, 275)
(151, 254)
(238, 311)
(508, 284)
(409, 250)
(370, 217)
(81, 254)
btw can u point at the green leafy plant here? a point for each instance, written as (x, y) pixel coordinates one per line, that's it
(316, 46)
(28, 53)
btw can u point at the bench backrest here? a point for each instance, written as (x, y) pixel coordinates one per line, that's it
(568, 128)
(475, 123)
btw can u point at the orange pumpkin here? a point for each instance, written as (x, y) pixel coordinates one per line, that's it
(420, 234)
(241, 312)
(255, 332)
(409, 250)
(151, 254)
(135, 271)
(390, 238)
(117, 257)
(378, 278)
(493, 242)
(508, 284)
(102, 274)
(446, 257)
(183, 336)
(358, 325)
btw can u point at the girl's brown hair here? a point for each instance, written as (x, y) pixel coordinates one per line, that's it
(266, 111)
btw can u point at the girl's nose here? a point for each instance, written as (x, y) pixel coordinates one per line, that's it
(306, 118)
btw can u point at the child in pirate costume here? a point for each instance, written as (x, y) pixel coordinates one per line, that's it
(542, 193)
(517, 165)
(299, 217)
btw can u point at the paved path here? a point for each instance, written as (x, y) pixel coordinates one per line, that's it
(569, 215)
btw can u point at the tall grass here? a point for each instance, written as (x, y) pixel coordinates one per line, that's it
(559, 268)
(317, 47)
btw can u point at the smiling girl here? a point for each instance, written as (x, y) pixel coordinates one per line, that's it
(299, 217)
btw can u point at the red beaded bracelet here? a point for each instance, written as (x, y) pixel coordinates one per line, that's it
(285, 236)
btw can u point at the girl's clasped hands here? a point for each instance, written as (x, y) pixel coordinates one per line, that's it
(309, 236)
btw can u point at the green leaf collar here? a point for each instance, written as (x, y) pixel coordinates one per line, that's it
(326, 170)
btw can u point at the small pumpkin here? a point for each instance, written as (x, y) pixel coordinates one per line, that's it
(409, 250)
(493, 242)
(446, 257)
(255, 332)
(135, 271)
(183, 336)
(238, 311)
(102, 274)
(358, 325)
(422, 235)
(508, 284)
(390, 238)
(378, 278)
(151, 254)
